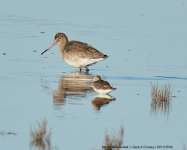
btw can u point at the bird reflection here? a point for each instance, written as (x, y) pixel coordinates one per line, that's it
(74, 85)
(77, 85)
(100, 100)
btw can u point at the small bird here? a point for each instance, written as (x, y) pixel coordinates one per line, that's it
(101, 86)
(75, 53)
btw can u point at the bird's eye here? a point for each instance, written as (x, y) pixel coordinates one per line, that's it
(57, 38)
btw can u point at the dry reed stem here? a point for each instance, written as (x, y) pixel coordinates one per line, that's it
(162, 94)
(115, 140)
(161, 97)
(38, 135)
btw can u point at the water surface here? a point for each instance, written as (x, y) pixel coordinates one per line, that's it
(145, 41)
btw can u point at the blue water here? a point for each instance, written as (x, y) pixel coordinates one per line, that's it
(145, 41)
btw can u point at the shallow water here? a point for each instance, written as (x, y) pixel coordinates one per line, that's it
(146, 43)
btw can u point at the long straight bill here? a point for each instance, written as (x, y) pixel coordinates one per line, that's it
(49, 48)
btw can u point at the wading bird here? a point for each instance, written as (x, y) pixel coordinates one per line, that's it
(101, 86)
(75, 53)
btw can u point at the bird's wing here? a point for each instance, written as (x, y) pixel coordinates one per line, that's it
(102, 85)
(82, 50)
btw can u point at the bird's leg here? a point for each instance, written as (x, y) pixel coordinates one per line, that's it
(80, 69)
(87, 69)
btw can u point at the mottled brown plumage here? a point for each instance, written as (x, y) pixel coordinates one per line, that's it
(82, 50)
(75, 53)
(101, 86)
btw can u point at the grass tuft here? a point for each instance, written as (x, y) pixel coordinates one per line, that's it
(39, 137)
(114, 140)
(162, 94)
(161, 98)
